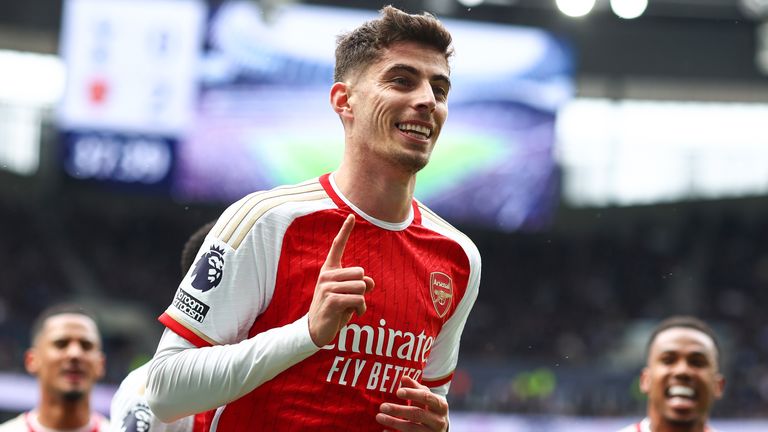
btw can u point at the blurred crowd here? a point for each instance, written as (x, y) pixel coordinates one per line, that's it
(569, 304)
(553, 330)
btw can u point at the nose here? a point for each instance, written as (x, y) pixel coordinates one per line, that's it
(74, 350)
(425, 97)
(681, 369)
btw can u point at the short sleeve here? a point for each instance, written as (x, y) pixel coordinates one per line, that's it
(444, 355)
(232, 278)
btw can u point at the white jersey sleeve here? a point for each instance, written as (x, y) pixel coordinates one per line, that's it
(16, 424)
(217, 302)
(444, 355)
(228, 285)
(179, 371)
(129, 411)
(232, 280)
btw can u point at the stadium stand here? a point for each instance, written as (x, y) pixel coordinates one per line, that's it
(557, 329)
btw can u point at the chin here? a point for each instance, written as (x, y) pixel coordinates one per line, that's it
(74, 395)
(412, 164)
(684, 420)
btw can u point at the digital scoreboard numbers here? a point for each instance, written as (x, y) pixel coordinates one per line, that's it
(122, 158)
(131, 87)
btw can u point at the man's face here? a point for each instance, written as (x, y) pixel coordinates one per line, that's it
(66, 357)
(681, 379)
(399, 104)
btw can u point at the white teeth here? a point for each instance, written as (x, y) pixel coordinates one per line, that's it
(681, 391)
(408, 127)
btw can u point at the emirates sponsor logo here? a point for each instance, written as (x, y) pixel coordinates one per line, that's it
(383, 341)
(441, 290)
(401, 352)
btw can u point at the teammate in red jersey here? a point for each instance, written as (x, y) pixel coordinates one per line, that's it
(682, 378)
(338, 303)
(67, 360)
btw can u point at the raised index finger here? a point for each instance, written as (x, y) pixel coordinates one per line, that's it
(339, 242)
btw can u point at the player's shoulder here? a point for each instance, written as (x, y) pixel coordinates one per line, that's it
(15, 424)
(129, 390)
(19, 423)
(641, 426)
(432, 221)
(136, 378)
(238, 219)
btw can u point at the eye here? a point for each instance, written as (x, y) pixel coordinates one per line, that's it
(401, 81)
(86, 345)
(667, 359)
(698, 362)
(441, 92)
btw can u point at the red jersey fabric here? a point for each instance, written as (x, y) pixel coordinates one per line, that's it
(421, 275)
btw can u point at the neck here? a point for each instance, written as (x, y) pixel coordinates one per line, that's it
(386, 196)
(660, 425)
(57, 413)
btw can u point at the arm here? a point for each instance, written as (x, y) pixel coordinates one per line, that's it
(179, 370)
(226, 372)
(228, 287)
(128, 405)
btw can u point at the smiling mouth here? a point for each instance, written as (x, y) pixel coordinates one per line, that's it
(681, 391)
(414, 130)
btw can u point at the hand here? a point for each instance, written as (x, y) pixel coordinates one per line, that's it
(424, 411)
(339, 292)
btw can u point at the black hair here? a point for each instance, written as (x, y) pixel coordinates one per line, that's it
(192, 246)
(684, 321)
(58, 309)
(362, 46)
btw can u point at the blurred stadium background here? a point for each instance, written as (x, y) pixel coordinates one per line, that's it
(612, 171)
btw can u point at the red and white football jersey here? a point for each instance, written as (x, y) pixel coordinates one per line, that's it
(130, 411)
(28, 422)
(645, 426)
(258, 269)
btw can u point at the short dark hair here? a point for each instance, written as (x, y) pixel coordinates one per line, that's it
(362, 46)
(59, 309)
(193, 245)
(684, 321)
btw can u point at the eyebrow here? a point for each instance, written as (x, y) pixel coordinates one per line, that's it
(414, 71)
(701, 353)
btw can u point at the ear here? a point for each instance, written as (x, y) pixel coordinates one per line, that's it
(645, 381)
(340, 99)
(31, 362)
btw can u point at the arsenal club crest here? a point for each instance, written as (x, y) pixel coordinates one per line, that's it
(441, 290)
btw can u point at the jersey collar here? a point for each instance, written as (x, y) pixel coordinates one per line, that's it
(328, 183)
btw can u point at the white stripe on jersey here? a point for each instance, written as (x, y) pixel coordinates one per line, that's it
(447, 343)
(233, 229)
